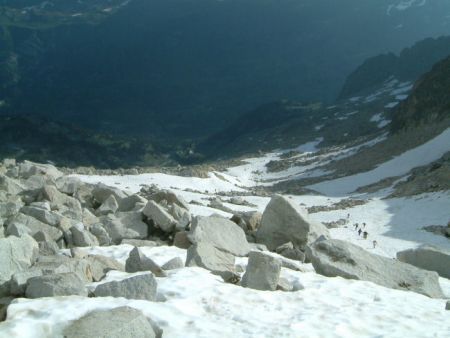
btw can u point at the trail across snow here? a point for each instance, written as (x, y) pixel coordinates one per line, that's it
(398, 166)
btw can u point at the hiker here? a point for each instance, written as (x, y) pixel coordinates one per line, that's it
(365, 234)
(374, 244)
(356, 226)
(359, 232)
(348, 215)
(364, 225)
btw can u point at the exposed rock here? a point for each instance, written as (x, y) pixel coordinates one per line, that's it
(282, 222)
(428, 258)
(137, 261)
(102, 235)
(62, 264)
(8, 209)
(217, 204)
(174, 263)
(129, 203)
(4, 303)
(285, 285)
(42, 215)
(181, 240)
(125, 225)
(62, 284)
(182, 216)
(139, 243)
(135, 287)
(28, 169)
(122, 322)
(100, 265)
(82, 237)
(88, 218)
(68, 185)
(447, 305)
(263, 272)
(287, 250)
(206, 256)
(339, 258)
(11, 186)
(101, 192)
(170, 197)
(109, 206)
(33, 226)
(16, 255)
(220, 233)
(251, 219)
(48, 248)
(160, 216)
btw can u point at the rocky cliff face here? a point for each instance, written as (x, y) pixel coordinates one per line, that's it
(409, 65)
(429, 101)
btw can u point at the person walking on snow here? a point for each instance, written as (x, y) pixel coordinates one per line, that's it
(374, 244)
(359, 232)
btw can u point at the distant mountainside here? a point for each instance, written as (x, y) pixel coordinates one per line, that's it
(183, 69)
(66, 145)
(429, 101)
(409, 65)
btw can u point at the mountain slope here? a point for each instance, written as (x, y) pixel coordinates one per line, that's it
(66, 145)
(429, 101)
(409, 65)
(182, 69)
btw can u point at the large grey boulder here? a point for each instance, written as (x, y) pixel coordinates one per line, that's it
(8, 209)
(33, 226)
(221, 233)
(10, 185)
(137, 261)
(136, 287)
(263, 272)
(125, 225)
(28, 169)
(109, 206)
(248, 220)
(170, 197)
(16, 254)
(19, 280)
(62, 264)
(182, 216)
(101, 192)
(339, 258)
(122, 322)
(428, 258)
(283, 222)
(102, 235)
(62, 284)
(100, 265)
(129, 203)
(174, 263)
(159, 216)
(43, 215)
(68, 185)
(206, 256)
(82, 237)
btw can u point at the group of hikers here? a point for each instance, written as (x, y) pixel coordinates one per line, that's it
(361, 230)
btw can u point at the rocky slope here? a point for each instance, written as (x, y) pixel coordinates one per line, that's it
(409, 65)
(39, 139)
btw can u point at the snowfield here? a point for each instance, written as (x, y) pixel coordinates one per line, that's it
(194, 303)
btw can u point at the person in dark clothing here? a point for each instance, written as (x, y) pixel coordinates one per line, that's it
(359, 232)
